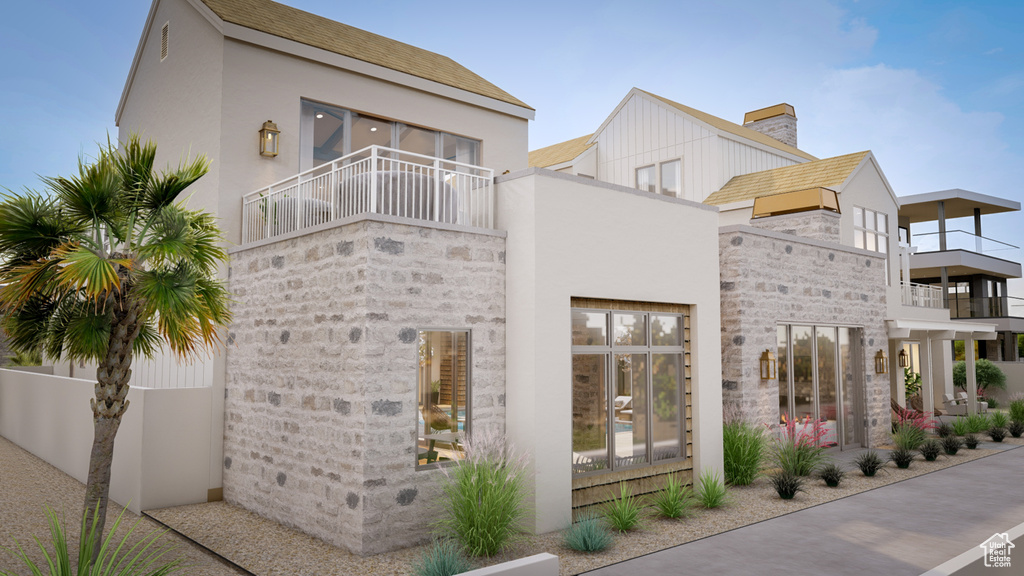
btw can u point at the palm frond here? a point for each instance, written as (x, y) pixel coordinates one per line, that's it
(92, 195)
(147, 343)
(84, 269)
(22, 283)
(134, 163)
(164, 190)
(31, 227)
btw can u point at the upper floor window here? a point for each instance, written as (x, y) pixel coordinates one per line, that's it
(662, 178)
(329, 132)
(871, 232)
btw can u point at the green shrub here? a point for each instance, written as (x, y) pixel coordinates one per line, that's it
(483, 496)
(986, 373)
(625, 512)
(998, 420)
(908, 437)
(832, 474)
(589, 534)
(1017, 411)
(930, 450)
(997, 434)
(144, 558)
(902, 457)
(992, 402)
(971, 441)
(787, 485)
(23, 358)
(443, 558)
(674, 500)
(951, 445)
(977, 423)
(869, 463)
(1016, 428)
(712, 490)
(944, 430)
(960, 427)
(799, 452)
(744, 447)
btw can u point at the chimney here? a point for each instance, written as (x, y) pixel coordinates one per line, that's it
(777, 121)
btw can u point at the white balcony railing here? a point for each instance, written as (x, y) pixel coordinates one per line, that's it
(374, 180)
(922, 295)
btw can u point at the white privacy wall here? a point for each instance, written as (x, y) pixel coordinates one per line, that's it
(162, 451)
(571, 236)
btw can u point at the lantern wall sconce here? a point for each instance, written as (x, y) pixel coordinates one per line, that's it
(903, 358)
(881, 363)
(269, 139)
(769, 366)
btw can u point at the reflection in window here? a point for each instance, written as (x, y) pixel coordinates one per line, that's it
(443, 393)
(645, 179)
(671, 178)
(628, 393)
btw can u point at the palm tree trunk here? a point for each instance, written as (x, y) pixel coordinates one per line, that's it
(108, 407)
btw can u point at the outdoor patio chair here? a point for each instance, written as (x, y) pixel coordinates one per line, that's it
(961, 397)
(623, 409)
(953, 406)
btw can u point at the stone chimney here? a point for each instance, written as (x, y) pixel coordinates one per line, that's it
(777, 121)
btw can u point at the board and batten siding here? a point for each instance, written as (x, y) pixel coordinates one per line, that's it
(645, 132)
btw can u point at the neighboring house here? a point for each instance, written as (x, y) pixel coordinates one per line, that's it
(392, 299)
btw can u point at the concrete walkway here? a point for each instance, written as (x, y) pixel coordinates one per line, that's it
(905, 528)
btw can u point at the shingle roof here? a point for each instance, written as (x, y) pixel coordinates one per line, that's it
(319, 32)
(558, 153)
(732, 128)
(827, 173)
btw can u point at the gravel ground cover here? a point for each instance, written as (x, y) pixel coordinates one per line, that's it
(267, 548)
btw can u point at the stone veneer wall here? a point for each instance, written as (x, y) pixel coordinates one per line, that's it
(768, 278)
(781, 127)
(321, 406)
(815, 224)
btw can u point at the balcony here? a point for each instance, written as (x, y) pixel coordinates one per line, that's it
(966, 307)
(962, 254)
(922, 295)
(374, 180)
(961, 240)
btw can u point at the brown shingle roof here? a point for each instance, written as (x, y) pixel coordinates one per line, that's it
(558, 153)
(732, 128)
(827, 173)
(319, 32)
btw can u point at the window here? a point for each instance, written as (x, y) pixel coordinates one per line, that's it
(646, 179)
(629, 370)
(329, 132)
(444, 396)
(871, 232)
(663, 178)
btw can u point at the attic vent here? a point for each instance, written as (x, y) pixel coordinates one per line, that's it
(163, 41)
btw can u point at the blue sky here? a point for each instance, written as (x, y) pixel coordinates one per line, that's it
(935, 89)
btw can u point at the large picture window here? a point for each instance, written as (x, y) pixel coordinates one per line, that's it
(444, 394)
(629, 370)
(329, 132)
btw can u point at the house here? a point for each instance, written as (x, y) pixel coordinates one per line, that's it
(407, 274)
(404, 279)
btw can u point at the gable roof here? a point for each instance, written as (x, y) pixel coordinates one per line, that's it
(294, 24)
(558, 153)
(732, 128)
(827, 173)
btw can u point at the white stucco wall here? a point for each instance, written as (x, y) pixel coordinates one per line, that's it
(569, 236)
(162, 450)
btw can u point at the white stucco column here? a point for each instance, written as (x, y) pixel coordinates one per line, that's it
(972, 378)
(927, 371)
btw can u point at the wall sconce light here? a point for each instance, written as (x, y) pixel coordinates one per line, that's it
(903, 359)
(768, 365)
(269, 139)
(881, 363)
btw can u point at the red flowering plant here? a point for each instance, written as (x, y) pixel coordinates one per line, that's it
(799, 446)
(910, 428)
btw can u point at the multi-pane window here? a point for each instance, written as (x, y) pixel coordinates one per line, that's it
(629, 370)
(444, 394)
(871, 232)
(329, 132)
(662, 178)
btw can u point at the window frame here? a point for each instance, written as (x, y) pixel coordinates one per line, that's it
(861, 232)
(656, 182)
(609, 350)
(468, 427)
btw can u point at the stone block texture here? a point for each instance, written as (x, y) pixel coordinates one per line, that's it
(767, 279)
(321, 406)
(816, 224)
(781, 127)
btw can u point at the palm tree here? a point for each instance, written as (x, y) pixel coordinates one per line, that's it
(108, 265)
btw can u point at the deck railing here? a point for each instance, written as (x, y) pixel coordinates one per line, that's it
(374, 180)
(922, 295)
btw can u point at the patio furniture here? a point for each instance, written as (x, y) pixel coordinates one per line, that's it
(954, 407)
(623, 409)
(961, 397)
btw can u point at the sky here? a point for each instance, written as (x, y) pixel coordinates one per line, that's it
(935, 89)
